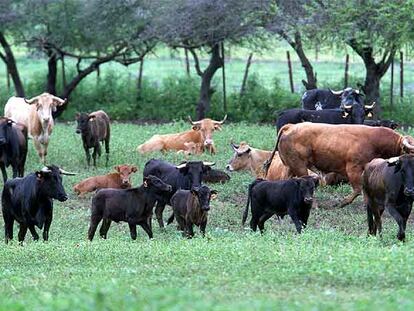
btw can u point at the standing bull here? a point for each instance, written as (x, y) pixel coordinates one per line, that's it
(319, 99)
(187, 176)
(94, 128)
(343, 149)
(29, 201)
(13, 147)
(389, 184)
(36, 115)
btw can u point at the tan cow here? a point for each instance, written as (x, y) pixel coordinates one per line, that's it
(36, 115)
(120, 179)
(201, 133)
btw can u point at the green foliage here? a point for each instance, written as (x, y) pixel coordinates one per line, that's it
(333, 265)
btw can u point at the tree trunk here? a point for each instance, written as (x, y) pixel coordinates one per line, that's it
(10, 62)
(206, 91)
(52, 72)
(246, 73)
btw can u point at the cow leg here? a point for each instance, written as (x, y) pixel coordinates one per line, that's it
(295, 218)
(262, 220)
(189, 230)
(372, 228)
(107, 150)
(39, 149)
(15, 171)
(48, 222)
(94, 153)
(8, 227)
(44, 147)
(22, 232)
(3, 171)
(34, 233)
(159, 209)
(103, 231)
(401, 221)
(354, 177)
(95, 219)
(181, 223)
(133, 230)
(146, 228)
(203, 228)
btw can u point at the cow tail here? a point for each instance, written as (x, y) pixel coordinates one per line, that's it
(266, 165)
(170, 219)
(249, 197)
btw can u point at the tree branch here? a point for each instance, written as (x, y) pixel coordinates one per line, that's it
(196, 62)
(289, 40)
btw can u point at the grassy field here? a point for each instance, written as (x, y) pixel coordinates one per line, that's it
(332, 265)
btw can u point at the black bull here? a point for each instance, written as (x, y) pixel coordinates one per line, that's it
(186, 176)
(353, 114)
(319, 99)
(389, 184)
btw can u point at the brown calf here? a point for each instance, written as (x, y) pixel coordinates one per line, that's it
(120, 179)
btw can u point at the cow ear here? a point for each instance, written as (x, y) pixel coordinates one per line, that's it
(217, 127)
(134, 169)
(196, 127)
(92, 118)
(214, 194)
(116, 168)
(145, 183)
(39, 175)
(316, 180)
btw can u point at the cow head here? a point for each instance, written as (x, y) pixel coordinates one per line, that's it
(194, 171)
(206, 128)
(307, 186)
(192, 148)
(405, 166)
(5, 127)
(349, 96)
(156, 185)
(50, 179)
(83, 120)
(241, 159)
(125, 172)
(204, 195)
(407, 144)
(357, 112)
(45, 104)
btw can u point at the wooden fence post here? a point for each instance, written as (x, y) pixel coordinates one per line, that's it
(290, 72)
(346, 71)
(224, 79)
(401, 74)
(246, 73)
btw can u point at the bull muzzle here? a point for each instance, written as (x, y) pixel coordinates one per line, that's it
(78, 131)
(308, 200)
(62, 197)
(208, 142)
(229, 168)
(409, 192)
(206, 208)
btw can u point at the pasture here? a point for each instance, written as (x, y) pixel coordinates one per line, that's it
(332, 265)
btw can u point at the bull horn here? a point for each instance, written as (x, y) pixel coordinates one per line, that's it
(32, 100)
(222, 121)
(370, 107)
(336, 92)
(45, 169)
(182, 165)
(407, 144)
(209, 163)
(63, 172)
(59, 100)
(192, 122)
(393, 160)
(235, 147)
(347, 106)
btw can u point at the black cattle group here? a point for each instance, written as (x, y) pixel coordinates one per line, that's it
(29, 200)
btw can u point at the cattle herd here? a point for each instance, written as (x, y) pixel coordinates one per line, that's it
(326, 142)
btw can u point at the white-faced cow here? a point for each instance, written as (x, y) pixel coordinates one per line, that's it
(36, 115)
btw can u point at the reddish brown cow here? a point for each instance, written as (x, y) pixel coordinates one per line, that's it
(201, 133)
(343, 149)
(120, 179)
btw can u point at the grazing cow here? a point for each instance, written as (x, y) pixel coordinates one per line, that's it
(293, 196)
(343, 149)
(13, 147)
(190, 207)
(389, 184)
(352, 114)
(133, 206)
(36, 115)
(386, 123)
(121, 179)
(28, 201)
(215, 176)
(187, 176)
(201, 133)
(94, 128)
(319, 99)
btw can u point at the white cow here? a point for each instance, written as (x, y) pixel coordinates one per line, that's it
(36, 115)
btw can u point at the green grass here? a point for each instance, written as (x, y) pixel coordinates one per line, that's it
(332, 265)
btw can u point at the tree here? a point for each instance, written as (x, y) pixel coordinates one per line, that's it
(201, 26)
(92, 32)
(9, 21)
(374, 29)
(292, 21)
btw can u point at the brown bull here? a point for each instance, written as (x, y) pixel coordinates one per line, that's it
(201, 133)
(343, 149)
